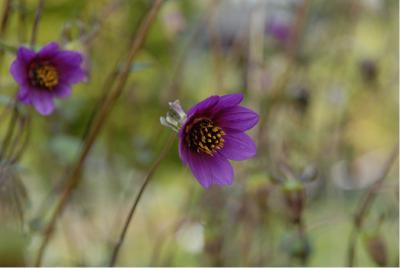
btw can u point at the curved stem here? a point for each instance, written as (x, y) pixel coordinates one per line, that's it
(97, 124)
(365, 205)
(147, 179)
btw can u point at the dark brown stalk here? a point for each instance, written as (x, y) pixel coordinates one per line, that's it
(365, 205)
(105, 94)
(146, 181)
(97, 124)
(35, 26)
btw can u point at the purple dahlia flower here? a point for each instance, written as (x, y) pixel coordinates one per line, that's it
(213, 134)
(45, 75)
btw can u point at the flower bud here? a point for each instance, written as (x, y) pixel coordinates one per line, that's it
(369, 70)
(294, 197)
(175, 116)
(376, 248)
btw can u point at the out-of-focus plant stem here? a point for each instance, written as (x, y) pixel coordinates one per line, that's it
(97, 124)
(366, 203)
(9, 141)
(16, 137)
(88, 38)
(9, 133)
(35, 27)
(87, 41)
(267, 102)
(4, 17)
(153, 168)
(163, 236)
(3, 26)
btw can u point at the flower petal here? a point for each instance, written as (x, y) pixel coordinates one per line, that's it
(68, 64)
(62, 91)
(25, 54)
(18, 68)
(18, 71)
(23, 95)
(238, 146)
(183, 151)
(228, 100)
(49, 51)
(221, 169)
(204, 106)
(210, 170)
(237, 118)
(42, 101)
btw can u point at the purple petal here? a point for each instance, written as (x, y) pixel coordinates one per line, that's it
(49, 51)
(68, 64)
(204, 106)
(23, 95)
(238, 146)
(42, 101)
(183, 153)
(279, 30)
(62, 91)
(228, 100)
(200, 170)
(221, 169)
(236, 118)
(210, 170)
(18, 68)
(25, 54)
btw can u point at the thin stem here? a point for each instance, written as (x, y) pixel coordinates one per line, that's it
(97, 124)
(3, 26)
(10, 131)
(87, 38)
(35, 26)
(365, 205)
(5, 16)
(147, 179)
(17, 153)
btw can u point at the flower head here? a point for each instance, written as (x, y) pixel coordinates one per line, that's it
(213, 134)
(45, 75)
(279, 30)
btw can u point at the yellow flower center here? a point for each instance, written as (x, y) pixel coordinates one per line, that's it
(43, 75)
(204, 136)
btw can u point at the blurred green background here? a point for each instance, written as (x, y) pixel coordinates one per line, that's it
(323, 75)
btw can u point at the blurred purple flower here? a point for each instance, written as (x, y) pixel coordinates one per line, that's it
(280, 30)
(45, 75)
(212, 134)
